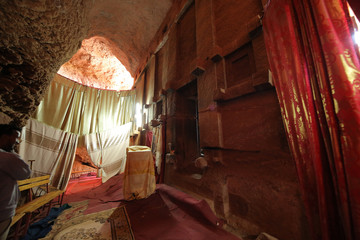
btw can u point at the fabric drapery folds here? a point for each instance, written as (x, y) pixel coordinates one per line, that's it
(317, 77)
(139, 174)
(148, 138)
(52, 149)
(99, 118)
(157, 147)
(79, 109)
(108, 150)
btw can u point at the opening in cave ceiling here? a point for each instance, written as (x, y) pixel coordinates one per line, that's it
(96, 65)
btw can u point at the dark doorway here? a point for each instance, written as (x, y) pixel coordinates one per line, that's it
(187, 132)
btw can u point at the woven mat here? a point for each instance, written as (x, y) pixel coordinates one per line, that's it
(108, 224)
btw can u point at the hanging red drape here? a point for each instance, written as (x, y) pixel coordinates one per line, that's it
(317, 78)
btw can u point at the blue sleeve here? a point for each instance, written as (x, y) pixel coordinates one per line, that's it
(14, 166)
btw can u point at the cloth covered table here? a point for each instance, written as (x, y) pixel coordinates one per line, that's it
(139, 174)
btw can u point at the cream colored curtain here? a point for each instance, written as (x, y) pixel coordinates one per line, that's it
(96, 116)
(108, 150)
(139, 174)
(82, 110)
(52, 149)
(157, 147)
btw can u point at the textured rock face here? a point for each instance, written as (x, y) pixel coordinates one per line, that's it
(96, 66)
(120, 34)
(129, 25)
(36, 38)
(250, 178)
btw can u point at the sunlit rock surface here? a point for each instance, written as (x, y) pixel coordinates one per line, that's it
(38, 36)
(96, 66)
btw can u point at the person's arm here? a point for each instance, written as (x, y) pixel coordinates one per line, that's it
(14, 166)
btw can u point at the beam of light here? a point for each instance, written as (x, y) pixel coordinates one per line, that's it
(357, 37)
(138, 115)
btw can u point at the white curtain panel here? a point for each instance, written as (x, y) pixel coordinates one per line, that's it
(52, 149)
(79, 109)
(157, 147)
(107, 150)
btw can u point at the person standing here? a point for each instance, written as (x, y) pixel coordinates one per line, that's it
(12, 169)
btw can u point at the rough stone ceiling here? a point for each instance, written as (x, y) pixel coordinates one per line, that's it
(38, 36)
(119, 30)
(96, 66)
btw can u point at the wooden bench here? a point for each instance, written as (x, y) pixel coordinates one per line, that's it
(35, 202)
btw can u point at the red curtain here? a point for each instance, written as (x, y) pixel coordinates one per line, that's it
(317, 78)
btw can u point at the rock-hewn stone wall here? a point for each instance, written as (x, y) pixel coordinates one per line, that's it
(36, 38)
(250, 179)
(211, 78)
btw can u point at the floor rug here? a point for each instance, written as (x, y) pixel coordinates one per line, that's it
(108, 224)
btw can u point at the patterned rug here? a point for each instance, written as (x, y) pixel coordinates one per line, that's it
(108, 224)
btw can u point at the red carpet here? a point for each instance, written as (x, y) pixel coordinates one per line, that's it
(166, 214)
